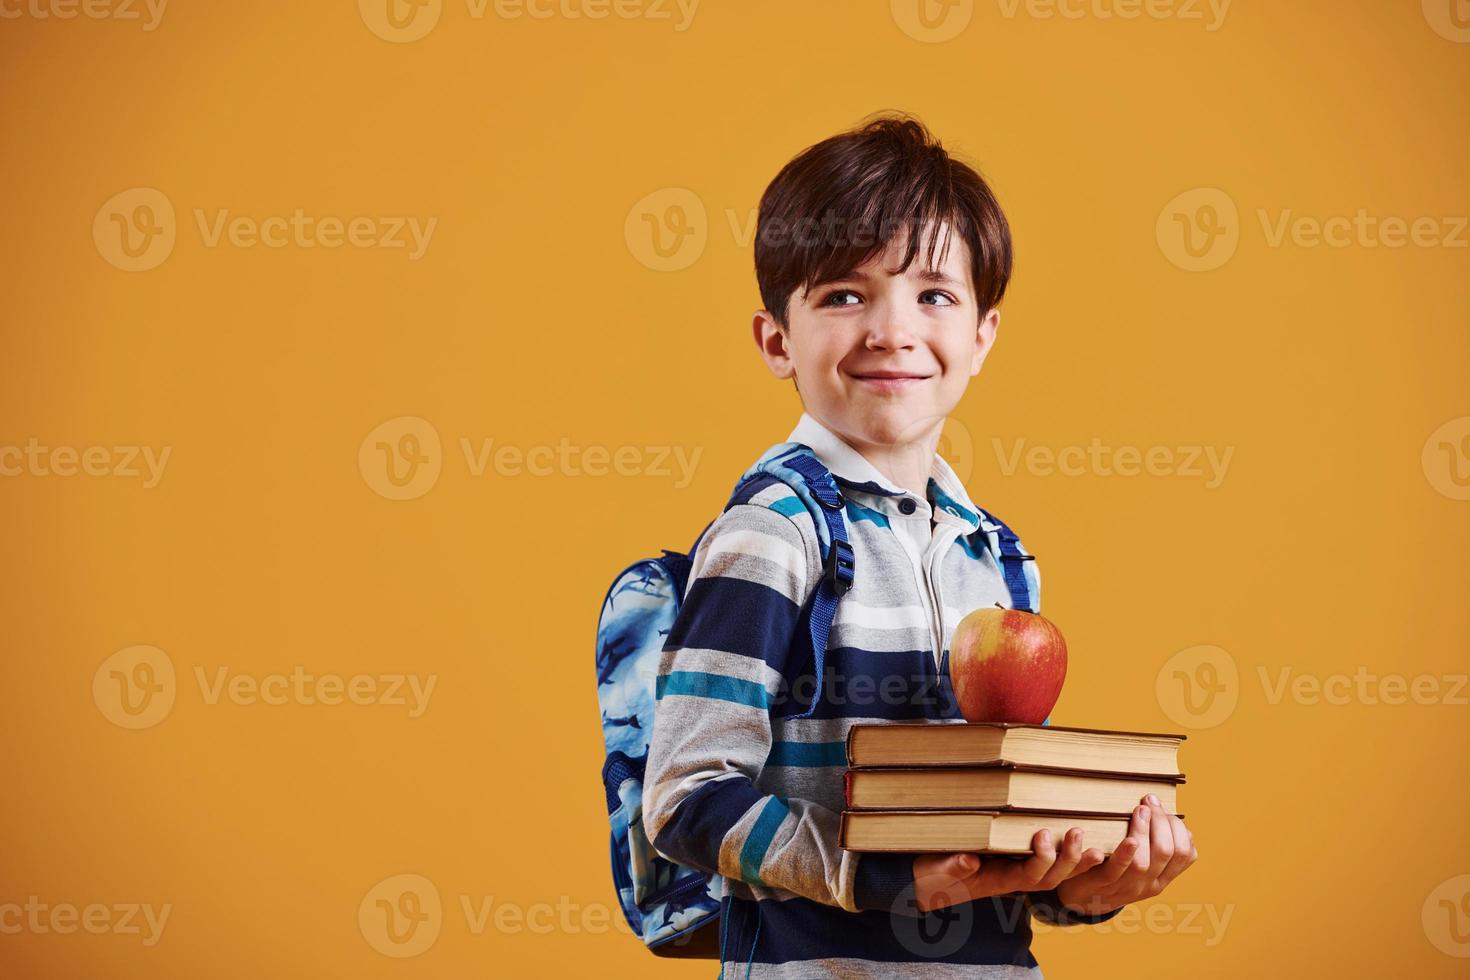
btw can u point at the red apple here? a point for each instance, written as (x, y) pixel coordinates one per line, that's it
(1007, 665)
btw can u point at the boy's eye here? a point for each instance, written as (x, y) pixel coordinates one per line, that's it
(835, 298)
(846, 297)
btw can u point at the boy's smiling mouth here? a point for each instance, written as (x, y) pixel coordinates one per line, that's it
(891, 381)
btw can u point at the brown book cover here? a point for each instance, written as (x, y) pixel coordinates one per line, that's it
(982, 831)
(972, 743)
(1004, 785)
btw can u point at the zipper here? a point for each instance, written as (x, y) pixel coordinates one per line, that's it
(926, 579)
(944, 538)
(921, 582)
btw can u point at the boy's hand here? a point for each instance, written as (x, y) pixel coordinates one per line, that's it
(941, 880)
(1158, 847)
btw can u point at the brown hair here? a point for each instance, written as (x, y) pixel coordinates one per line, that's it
(842, 201)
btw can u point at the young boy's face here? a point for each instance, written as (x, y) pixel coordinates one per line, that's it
(923, 324)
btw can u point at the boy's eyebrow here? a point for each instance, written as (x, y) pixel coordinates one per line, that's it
(851, 276)
(928, 275)
(934, 275)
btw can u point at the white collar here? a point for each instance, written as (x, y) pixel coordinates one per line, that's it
(852, 468)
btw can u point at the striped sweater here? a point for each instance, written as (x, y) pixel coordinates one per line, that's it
(737, 786)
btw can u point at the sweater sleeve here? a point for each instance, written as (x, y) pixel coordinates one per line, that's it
(720, 671)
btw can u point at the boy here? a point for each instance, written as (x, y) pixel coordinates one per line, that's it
(880, 342)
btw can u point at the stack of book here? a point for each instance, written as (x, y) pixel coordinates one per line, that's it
(988, 788)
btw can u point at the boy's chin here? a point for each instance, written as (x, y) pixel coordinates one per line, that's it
(899, 425)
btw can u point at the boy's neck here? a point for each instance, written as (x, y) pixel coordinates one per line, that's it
(906, 465)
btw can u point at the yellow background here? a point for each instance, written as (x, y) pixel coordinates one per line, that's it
(534, 317)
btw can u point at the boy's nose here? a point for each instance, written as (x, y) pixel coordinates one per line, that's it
(889, 329)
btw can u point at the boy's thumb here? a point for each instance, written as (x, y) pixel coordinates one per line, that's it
(967, 863)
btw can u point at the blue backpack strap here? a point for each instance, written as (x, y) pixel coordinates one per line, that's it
(798, 467)
(1021, 581)
(840, 569)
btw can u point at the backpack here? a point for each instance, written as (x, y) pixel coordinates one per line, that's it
(674, 908)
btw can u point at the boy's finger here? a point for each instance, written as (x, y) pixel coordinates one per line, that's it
(1139, 865)
(1183, 836)
(1160, 841)
(1091, 858)
(955, 868)
(965, 864)
(1043, 856)
(1066, 863)
(960, 862)
(1183, 851)
(1118, 863)
(947, 882)
(1138, 822)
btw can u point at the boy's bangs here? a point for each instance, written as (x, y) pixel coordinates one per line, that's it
(849, 198)
(836, 257)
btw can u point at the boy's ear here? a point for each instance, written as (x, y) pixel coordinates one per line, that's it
(771, 340)
(984, 339)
